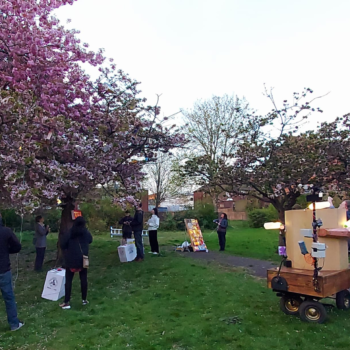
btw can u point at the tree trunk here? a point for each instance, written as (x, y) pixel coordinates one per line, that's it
(65, 226)
(281, 213)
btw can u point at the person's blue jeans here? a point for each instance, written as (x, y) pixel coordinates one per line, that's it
(9, 298)
(139, 244)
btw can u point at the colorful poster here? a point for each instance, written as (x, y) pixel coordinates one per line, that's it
(76, 214)
(195, 233)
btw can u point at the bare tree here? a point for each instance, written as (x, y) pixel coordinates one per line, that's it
(213, 133)
(159, 178)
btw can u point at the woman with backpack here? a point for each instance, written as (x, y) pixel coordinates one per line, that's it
(222, 223)
(75, 245)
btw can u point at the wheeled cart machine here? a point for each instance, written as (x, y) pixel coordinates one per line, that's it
(315, 268)
(297, 293)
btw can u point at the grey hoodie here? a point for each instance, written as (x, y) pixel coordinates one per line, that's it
(40, 235)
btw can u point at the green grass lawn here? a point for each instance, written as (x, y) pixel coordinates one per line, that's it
(165, 303)
(240, 240)
(245, 241)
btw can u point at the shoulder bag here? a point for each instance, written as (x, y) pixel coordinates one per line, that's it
(85, 259)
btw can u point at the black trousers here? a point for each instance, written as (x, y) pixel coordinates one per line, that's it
(222, 240)
(83, 284)
(153, 241)
(39, 259)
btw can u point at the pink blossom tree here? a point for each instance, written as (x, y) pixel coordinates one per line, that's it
(61, 133)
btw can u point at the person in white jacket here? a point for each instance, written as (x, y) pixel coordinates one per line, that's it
(153, 225)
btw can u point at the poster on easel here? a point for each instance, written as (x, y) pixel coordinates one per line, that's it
(195, 233)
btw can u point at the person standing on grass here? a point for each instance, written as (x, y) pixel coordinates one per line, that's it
(75, 244)
(137, 226)
(153, 225)
(41, 231)
(9, 244)
(221, 230)
(126, 228)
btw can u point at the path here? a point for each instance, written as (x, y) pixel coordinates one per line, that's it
(254, 266)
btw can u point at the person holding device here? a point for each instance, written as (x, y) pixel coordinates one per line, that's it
(41, 231)
(222, 223)
(126, 228)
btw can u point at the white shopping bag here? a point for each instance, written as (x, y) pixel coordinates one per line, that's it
(54, 285)
(127, 252)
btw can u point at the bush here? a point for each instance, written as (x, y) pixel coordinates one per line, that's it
(205, 215)
(102, 215)
(258, 217)
(301, 200)
(167, 223)
(11, 219)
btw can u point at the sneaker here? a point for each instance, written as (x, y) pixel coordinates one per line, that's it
(150, 253)
(85, 302)
(20, 325)
(138, 259)
(155, 253)
(65, 306)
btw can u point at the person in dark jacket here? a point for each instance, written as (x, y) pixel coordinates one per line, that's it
(221, 230)
(75, 244)
(137, 226)
(126, 228)
(41, 231)
(9, 244)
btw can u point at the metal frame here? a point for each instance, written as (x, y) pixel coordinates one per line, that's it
(117, 232)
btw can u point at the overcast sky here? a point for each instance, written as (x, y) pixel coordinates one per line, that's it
(193, 49)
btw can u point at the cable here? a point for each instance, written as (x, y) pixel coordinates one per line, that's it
(20, 239)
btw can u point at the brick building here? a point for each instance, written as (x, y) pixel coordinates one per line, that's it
(233, 206)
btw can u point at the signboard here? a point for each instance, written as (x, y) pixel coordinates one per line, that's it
(54, 285)
(76, 214)
(195, 233)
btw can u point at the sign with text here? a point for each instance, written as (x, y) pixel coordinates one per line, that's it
(76, 214)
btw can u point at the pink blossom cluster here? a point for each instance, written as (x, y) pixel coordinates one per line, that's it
(62, 133)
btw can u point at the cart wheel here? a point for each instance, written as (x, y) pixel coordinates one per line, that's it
(312, 311)
(290, 305)
(343, 300)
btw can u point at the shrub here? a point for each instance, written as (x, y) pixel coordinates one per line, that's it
(11, 219)
(301, 200)
(167, 223)
(205, 215)
(102, 215)
(97, 226)
(258, 217)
